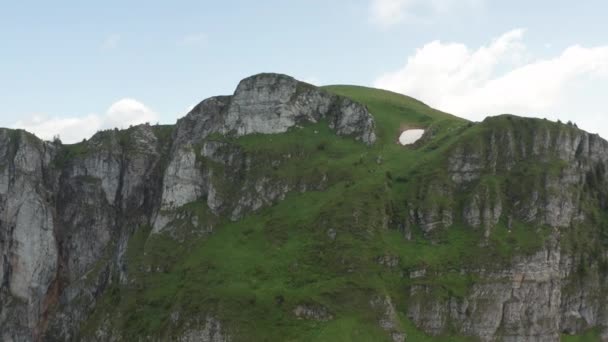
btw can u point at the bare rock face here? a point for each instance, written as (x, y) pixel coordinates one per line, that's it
(484, 209)
(210, 330)
(59, 218)
(388, 318)
(557, 166)
(435, 210)
(261, 104)
(542, 175)
(274, 103)
(271, 103)
(184, 180)
(536, 298)
(266, 104)
(519, 303)
(27, 234)
(314, 312)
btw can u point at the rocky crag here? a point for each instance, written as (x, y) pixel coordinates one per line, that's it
(288, 212)
(523, 174)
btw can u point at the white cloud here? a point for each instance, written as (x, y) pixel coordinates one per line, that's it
(121, 114)
(386, 13)
(128, 112)
(502, 78)
(194, 39)
(111, 42)
(69, 129)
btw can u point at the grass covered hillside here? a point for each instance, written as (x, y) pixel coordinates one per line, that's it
(371, 237)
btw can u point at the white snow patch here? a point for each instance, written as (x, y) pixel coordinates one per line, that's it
(410, 136)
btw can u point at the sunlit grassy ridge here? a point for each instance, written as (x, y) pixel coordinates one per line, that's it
(316, 248)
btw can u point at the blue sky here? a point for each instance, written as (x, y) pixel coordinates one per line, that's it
(74, 67)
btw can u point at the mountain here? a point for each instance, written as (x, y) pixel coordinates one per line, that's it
(287, 212)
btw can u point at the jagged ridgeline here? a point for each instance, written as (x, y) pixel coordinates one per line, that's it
(287, 212)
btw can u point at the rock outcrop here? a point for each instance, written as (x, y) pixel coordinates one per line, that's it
(273, 103)
(28, 247)
(261, 104)
(541, 175)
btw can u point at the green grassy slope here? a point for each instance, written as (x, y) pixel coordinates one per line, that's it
(252, 273)
(394, 112)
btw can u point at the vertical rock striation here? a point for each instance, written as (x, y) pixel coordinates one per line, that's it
(541, 175)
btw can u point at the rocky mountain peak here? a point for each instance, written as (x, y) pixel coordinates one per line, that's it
(268, 82)
(280, 200)
(274, 103)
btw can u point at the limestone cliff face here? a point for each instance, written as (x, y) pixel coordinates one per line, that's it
(264, 104)
(59, 218)
(561, 181)
(28, 246)
(67, 212)
(270, 104)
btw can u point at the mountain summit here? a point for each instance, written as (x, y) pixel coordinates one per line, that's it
(288, 212)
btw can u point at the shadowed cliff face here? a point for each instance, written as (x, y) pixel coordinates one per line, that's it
(491, 231)
(62, 212)
(27, 232)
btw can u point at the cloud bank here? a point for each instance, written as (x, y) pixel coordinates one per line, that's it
(121, 114)
(503, 77)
